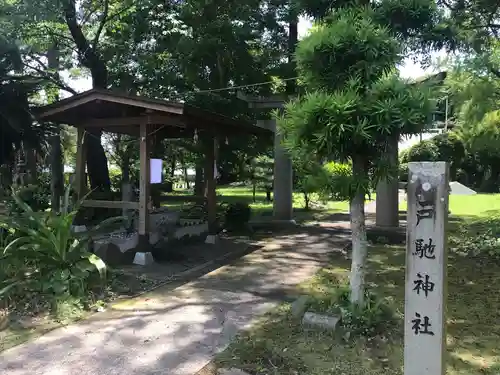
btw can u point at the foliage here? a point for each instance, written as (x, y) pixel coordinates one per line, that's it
(339, 183)
(310, 178)
(55, 260)
(355, 104)
(237, 215)
(371, 319)
(35, 196)
(479, 238)
(423, 151)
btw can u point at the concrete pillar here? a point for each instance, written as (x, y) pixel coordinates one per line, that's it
(144, 187)
(426, 259)
(283, 181)
(387, 200)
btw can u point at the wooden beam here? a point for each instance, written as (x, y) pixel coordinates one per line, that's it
(260, 102)
(81, 159)
(127, 205)
(173, 121)
(210, 144)
(182, 198)
(144, 183)
(95, 95)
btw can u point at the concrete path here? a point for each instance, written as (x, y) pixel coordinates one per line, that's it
(177, 332)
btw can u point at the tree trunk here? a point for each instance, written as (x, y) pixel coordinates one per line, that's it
(306, 200)
(198, 180)
(89, 56)
(268, 194)
(97, 163)
(358, 229)
(170, 184)
(184, 171)
(56, 152)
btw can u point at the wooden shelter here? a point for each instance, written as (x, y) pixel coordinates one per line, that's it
(116, 112)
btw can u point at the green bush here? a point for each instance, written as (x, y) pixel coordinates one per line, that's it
(480, 238)
(37, 197)
(237, 216)
(45, 256)
(340, 182)
(423, 151)
(371, 319)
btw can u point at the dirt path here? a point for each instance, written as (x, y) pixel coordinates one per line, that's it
(177, 332)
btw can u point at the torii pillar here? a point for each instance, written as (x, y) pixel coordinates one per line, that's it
(387, 199)
(283, 168)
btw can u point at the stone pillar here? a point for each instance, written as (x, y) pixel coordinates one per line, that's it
(283, 181)
(387, 199)
(426, 257)
(144, 187)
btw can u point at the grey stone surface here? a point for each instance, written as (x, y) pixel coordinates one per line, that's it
(232, 371)
(299, 307)
(143, 259)
(320, 321)
(456, 188)
(426, 263)
(176, 332)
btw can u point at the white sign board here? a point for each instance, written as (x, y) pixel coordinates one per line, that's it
(156, 171)
(425, 296)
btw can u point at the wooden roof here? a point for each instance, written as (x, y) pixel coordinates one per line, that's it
(118, 112)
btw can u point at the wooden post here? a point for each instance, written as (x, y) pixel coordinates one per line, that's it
(144, 187)
(211, 184)
(81, 159)
(425, 292)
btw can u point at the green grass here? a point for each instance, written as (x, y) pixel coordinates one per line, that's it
(479, 205)
(278, 345)
(261, 207)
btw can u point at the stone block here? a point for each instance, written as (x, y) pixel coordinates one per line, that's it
(212, 239)
(299, 307)
(325, 322)
(232, 371)
(143, 259)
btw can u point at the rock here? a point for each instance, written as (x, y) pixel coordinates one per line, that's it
(143, 259)
(456, 188)
(320, 321)
(299, 307)
(212, 239)
(112, 255)
(232, 371)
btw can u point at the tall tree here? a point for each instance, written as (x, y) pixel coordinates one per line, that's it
(353, 103)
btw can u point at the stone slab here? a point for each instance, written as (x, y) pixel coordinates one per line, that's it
(456, 188)
(299, 307)
(320, 321)
(143, 259)
(232, 371)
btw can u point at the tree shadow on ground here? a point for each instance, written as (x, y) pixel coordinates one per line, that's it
(178, 331)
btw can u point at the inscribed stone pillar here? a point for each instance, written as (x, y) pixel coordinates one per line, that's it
(425, 291)
(387, 199)
(283, 180)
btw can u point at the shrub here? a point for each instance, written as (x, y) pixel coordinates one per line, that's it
(47, 256)
(369, 320)
(237, 215)
(423, 151)
(480, 238)
(339, 180)
(36, 197)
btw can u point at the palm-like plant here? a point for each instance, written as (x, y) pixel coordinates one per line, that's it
(56, 259)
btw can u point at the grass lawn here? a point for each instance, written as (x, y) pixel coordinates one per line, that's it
(478, 205)
(261, 207)
(278, 345)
